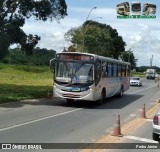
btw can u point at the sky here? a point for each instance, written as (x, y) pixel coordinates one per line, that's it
(141, 35)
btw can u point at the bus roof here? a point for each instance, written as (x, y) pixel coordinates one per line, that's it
(149, 4)
(122, 4)
(99, 57)
(136, 3)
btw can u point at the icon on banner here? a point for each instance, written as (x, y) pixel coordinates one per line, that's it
(136, 10)
(149, 9)
(123, 8)
(6, 146)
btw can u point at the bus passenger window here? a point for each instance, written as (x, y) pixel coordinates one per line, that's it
(119, 70)
(110, 71)
(115, 70)
(104, 70)
(128, 71)
(104, 74)
(123, 71)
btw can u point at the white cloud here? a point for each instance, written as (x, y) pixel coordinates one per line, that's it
(94, 12)
(53, 40)
(144, 44)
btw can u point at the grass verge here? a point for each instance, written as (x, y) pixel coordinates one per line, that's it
(19, 82)
(138, 74)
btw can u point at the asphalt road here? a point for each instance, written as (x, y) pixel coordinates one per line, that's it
(53, 121)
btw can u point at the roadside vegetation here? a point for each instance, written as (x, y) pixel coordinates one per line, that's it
(138, 74)
(19, 82)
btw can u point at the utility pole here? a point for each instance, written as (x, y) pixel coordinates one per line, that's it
(151, 61)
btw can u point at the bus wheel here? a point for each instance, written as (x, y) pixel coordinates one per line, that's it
(70, 101)
(103, 96)
(121, 92)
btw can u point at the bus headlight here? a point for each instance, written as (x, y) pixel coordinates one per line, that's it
(87, 92)
(83, 89)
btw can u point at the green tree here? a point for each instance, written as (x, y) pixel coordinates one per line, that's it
(29, 42)
(96, 38)
(128, 56)
(13, 14)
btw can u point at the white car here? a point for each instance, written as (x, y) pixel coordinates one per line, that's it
(156, 126)
(135, 81)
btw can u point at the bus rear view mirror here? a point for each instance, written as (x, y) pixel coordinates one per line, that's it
(52, 65)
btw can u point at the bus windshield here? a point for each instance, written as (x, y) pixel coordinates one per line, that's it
(74, 72)
(136, 7)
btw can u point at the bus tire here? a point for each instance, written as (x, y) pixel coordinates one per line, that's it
(121, 92)
(103, 96)
(70, 101)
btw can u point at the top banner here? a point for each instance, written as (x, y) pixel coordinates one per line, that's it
(136, 10)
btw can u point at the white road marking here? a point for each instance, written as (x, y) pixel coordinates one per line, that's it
(133, 115)
(143, 89)
(36, 120)
(141, 139)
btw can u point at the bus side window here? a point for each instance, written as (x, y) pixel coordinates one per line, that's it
(119, 70)
(123, 70)
(104, 70)
(115, 70)
(110, 70)
(128, 71)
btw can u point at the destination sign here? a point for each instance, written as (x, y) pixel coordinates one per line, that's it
(75, 57)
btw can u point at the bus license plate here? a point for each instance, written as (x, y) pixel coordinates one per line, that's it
(70, 95)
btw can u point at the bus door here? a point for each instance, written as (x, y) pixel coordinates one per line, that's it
(97, 76)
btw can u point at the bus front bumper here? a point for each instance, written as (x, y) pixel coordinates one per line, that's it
(85, 95)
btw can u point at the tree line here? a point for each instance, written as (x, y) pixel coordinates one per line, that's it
(144, 68)
(39, 57)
